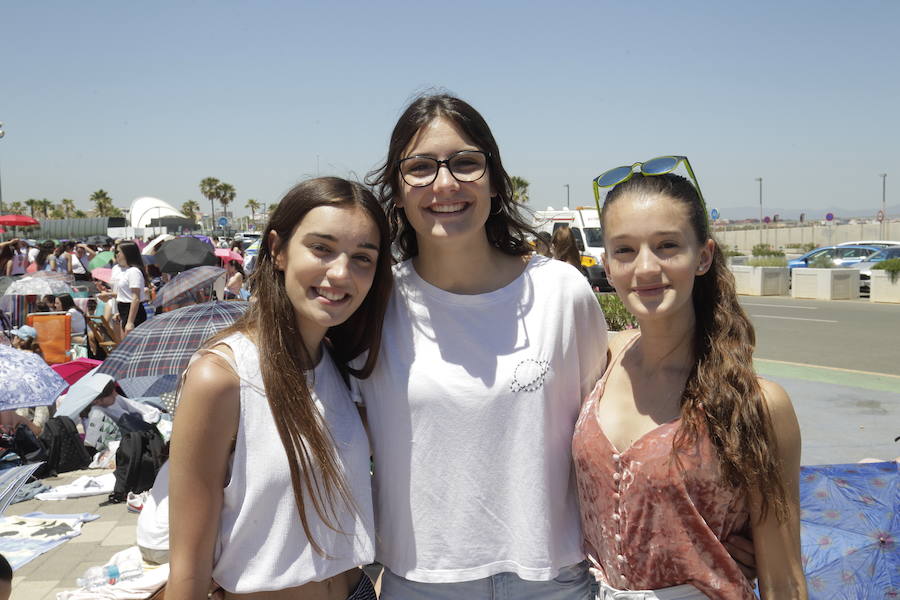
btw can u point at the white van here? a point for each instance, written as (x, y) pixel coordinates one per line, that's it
(585, 225)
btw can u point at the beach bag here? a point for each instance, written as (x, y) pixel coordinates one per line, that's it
(65, 450)
(138, 460)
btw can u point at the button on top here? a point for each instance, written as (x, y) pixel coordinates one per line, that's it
(616, 457)
(616, 517)
(618, 538)
(620, 558)
(616, 495)
(617, 476)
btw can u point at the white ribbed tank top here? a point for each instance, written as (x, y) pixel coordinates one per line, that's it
(261, 545)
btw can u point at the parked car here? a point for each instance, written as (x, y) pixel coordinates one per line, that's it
(875, 243)
(841, 256)
(865, 267)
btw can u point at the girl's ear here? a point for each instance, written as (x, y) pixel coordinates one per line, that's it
(707, 251)
(275, 248)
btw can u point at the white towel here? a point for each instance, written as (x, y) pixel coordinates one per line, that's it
(81, 487)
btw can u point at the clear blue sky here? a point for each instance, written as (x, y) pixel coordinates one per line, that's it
(147, 99)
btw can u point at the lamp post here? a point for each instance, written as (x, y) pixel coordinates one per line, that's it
(2, 133)
(883, 203)
(759, 179)
(566, 185)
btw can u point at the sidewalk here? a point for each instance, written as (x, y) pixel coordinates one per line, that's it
(58, 569)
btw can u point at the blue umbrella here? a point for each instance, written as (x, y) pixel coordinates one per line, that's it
(850, 529)
(82, 393)
(26, 380)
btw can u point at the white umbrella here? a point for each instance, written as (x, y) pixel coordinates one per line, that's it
(38, 286)
(151, 246)
(82, 393)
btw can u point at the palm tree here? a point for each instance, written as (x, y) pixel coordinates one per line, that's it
(519, 189)
(209, 188)
(254, 206)
(33, 204)
(46, 206)
(272, 207)
(68, 206)
(102, 203)
(16, 208)
(79, 214)
(226, 194)
(189, 209)
(57, 213)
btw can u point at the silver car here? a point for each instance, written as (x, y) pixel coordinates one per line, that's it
(865, 267)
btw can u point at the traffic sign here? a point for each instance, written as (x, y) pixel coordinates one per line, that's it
(714, 213)
(829, 217)
(880, 216)
(223, 221)
(767, 220)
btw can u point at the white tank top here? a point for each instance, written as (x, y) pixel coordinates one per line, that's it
(261, 545)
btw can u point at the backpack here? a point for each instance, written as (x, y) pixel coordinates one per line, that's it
(138, 460)
(65, 450)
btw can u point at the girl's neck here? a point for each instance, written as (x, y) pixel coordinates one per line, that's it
(470, 267)
(667, 344)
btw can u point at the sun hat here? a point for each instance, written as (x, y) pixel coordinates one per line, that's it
(26, 332)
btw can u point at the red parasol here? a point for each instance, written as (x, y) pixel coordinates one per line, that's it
(18, 220)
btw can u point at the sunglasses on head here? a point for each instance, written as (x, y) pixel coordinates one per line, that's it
(655, 166)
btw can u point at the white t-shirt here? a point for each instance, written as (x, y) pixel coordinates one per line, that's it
(153, 522)
(78, 324)
(19, 262)
(471, 409)
(125, 279)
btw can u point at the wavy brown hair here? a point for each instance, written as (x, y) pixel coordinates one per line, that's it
(271, 324)
(506, 227)
(722, 395)
(562, 246)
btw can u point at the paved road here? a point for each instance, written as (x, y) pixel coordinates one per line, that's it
(855, 335)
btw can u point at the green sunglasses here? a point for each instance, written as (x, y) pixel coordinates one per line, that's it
(655, 166)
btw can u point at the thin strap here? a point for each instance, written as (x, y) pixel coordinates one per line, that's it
(202, 352)
(618, 357)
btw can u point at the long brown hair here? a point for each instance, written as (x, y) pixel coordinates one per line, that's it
(562, 246)
(506, 227)
(722, 395)
(270, 321)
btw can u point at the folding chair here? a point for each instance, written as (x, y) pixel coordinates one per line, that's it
(54, 335)
(104, 336)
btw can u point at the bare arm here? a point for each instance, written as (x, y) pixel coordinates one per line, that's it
(133, 309)
(206, 422)
(776, 543)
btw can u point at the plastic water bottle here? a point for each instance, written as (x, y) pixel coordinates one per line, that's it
(109, 574)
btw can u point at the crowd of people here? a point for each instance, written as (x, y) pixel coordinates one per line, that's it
(415, 384)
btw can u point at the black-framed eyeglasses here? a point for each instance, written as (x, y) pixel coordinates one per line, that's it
(465, 166)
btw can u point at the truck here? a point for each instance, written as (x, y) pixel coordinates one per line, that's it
(585, 225)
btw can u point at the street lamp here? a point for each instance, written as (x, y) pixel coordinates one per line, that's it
(883, 201)
(2, 133)
(759, 179)
(566, 185)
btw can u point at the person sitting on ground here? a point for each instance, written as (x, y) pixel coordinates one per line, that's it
(25, 338)
(5, 578)
(122, 415)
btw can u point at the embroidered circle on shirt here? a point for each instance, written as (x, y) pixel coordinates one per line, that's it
(529, 375)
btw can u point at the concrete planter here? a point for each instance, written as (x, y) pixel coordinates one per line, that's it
(881, 289)
(761, 281)
(825, 284)
(738, 260)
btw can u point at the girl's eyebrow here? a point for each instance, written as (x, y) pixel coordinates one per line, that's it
(331, 238)
(656, 233)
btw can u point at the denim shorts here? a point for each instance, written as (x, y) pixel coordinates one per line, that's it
(679, 592)
(572, 583)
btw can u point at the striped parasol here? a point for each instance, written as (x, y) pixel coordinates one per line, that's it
(162, 346)
(190, 287)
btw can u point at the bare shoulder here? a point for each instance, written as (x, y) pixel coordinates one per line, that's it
(620, 339)
(781, 411)
(212, 372)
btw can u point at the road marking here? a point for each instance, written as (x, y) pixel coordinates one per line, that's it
(782, 306)
(793, 318)
(880, 382)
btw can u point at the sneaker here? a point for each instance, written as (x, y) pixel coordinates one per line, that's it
(136, 501)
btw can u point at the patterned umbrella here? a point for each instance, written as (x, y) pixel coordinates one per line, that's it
(190, 287)
(850, 528)
(39, 286)
(26, 380)
(184, 253)
(163, 345)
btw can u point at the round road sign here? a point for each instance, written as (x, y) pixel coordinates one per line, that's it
(223, 221)
(767, 220)
(880, 216)
(829, 217)
(714, 213)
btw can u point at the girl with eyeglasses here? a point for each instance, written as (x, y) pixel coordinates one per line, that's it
(487, 351)
(680, 445)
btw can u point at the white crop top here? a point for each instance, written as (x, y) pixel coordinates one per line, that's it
(261, 545)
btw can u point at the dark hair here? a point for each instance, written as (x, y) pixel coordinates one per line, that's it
(108, 389)
(722, 394)
(237, 266)
(271, 321)
(68, 302)
(562, 246)
(542, 244)
(47, 248)
(6, 254)
(6, 573)
(153, 270)
(133, 257)
(506, 228)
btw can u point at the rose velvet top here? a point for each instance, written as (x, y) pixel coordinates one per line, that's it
(650, 524)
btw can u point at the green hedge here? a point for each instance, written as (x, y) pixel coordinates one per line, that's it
(617, 316)
(766, 250)
(892, 266)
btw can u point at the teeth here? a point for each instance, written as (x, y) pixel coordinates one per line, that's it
(334, 296)
(448, 208)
